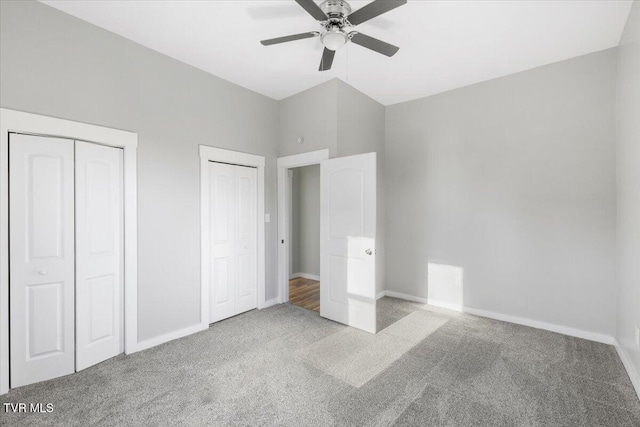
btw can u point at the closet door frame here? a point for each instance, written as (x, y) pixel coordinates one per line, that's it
(12, 121)
(212, 154)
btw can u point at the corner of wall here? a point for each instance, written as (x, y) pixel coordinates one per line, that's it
(628, 197)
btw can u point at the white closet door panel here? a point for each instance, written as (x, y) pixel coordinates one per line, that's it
(347, 240)
(222, 238)
(99, 253)
(41, 218)
(246, 238)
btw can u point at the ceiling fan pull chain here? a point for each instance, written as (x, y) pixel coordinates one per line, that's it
(348, 56)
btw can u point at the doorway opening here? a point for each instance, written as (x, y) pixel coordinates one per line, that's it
(347, 235)
(304, 232)
(287, 167)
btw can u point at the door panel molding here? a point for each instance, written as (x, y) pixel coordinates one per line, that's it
(12, 121)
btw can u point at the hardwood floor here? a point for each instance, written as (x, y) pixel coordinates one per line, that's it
(305, 293)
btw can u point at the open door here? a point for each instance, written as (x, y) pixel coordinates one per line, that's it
(99, 253)
(347, 240)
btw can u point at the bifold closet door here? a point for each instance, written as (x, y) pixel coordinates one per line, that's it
(99, 253)
(246, 207)
(233, 240)
(41, 285)
(66, 256)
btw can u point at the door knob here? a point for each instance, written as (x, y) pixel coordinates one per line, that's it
(370, 252)
(43, 272)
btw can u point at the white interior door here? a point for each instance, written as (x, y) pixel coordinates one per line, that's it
(347, 240)
(233, 227)
(99, 253)
(222, 228)
(246, 183)
(41, 217)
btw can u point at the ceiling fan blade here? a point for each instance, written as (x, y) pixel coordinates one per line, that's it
(313, 9)
(374, 44)
(373, 9)
(289, 38)
(327, 59)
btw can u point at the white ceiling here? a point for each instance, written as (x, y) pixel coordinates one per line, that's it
(443, 44)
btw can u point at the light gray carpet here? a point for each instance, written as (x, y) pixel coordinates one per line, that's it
(244, 371)
(390, 310)
(355, 356)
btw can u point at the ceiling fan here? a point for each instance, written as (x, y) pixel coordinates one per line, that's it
(336, 20)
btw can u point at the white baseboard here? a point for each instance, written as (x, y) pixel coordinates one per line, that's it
(152, 342)
(399, 295)
(270, 302)
(631, 370)
(565, 330)
(435, 303)
(305, 276)
(446, 305)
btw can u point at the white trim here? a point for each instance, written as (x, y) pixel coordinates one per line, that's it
(212, 154)
(628, 365)
(431, 302)
(289, 193)
(204, 243)
(283, 164)
(404, 296)
(152, 342)
(20, 122)
(565, 330)
(271, 302)
(446, 305)
(215, 154)
(305, 276)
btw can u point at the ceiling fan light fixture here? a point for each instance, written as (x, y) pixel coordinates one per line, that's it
(334, 39)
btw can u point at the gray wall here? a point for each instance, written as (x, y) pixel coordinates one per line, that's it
(628, 127)
(60, 66)
(513, 181)
(305, 241)
(311, 114)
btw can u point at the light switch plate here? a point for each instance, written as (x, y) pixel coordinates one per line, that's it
(267, 218)
(638, 335)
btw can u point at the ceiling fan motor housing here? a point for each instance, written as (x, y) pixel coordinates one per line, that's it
(335, 8)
